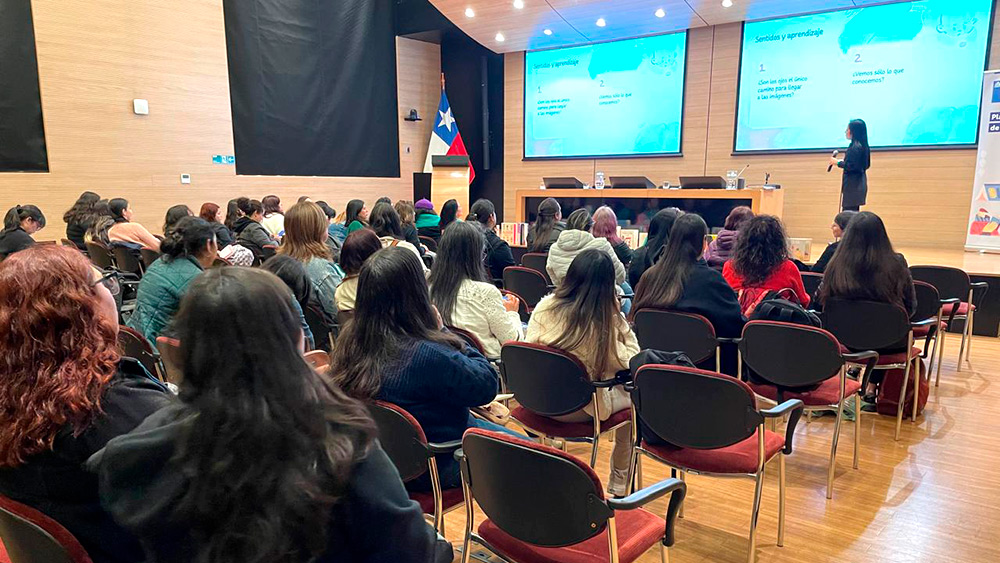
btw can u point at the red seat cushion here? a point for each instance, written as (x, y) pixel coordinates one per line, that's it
(923, 331)
(963, 309)
(637, 529)
(449, 499)
(740, 457)
(900, 358)
(828, 392)
(554, 428)
(4, 558)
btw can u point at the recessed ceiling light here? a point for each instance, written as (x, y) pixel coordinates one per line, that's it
(519, 4)
(547, 31)
(470, 13)
(499, 37)
(727, 3)
(659, 13)
(601, 22)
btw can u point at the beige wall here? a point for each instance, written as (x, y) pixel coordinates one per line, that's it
(923, 196)
(95, 56)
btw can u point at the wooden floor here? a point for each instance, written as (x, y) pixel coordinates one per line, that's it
(932, 496)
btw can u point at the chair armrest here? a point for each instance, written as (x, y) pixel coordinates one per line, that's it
(793, 408)
(977, 296)
(872, 359)
(924, 322)
(721, 340)
(675, 487)
(459, 455)
(444, 447)
(606, 384)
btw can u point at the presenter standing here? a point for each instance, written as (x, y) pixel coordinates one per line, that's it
(857, 160)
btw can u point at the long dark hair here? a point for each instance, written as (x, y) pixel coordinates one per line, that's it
(232, 213)
(662, 285)
(175, 214)
(761, 247)
(449, 212)
(385, 221)
(737, 218)
(659, 233)
(859, 137)
(358, 246)
(865, 266)
(459, 258)
(353, 209)
(393, 309)
(249, 206)
(293, 273)
(18, 213)
(541, 231)
(267, 445)
(118, 206)
(82, 211)
(587, 303)
(188, 237)
(272, 204)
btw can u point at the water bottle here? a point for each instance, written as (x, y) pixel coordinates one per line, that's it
(599, 180)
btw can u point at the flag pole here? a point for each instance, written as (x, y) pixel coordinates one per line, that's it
(442, 82)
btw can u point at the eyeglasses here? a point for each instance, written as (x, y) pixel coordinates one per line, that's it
(110, 281)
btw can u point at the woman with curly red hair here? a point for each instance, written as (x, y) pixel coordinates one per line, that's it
(65, 391)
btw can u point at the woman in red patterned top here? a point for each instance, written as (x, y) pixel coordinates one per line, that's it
(760, 263)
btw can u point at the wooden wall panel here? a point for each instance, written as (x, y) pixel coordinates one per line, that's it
(923, 196)
(95, 56)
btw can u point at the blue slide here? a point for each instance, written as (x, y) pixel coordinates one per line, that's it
(606, 99)
(913, 71)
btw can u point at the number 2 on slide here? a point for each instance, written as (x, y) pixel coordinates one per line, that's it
(857, 58)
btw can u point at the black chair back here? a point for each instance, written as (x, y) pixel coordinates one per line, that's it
(544, 380)
(693, 408)
(135, 345)
(32, 537)
(811, 281)
(867, 325)
(560, 502)
(127, 260)
(148, 256)
(402, 438)
(527, 283)
(100, 255)
(469, 338)
(537, 261)
(430, 243)
(671, 331)
(928, 301)
(951, 283)
(790, 355)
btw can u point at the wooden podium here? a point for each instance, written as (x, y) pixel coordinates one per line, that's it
(450, 180)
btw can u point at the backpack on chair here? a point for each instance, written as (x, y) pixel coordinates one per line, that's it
(780, 306)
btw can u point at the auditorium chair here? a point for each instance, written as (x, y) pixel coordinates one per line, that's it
(527, 283)
(220, 262)
(791, 361)
(869, 325)
(404, 441)
(522, 307)
(707, 423)
(318, 359)
(953, 283)
(134, 345)
(672, 331)
(558, 513)
(430, 243)
(148, 256)
(537, 261)
(169, 349)
(32, 537)
(127, 260)
(930, 306)
(100, 255)
(546, 383)
(811, 282)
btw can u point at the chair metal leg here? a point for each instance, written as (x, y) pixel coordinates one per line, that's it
(437, 494)
(970, 324)
(638, 471)
(930, 361)
(593, 451)
(613, 540)
(857, 428)
(664, 555)
(902, 398)
(937, 378)
(961, 348)
(680, 513)
(916, 387)
(632, 459)
(758, 489)
(469, 516)
(833, 450)
(781, 500)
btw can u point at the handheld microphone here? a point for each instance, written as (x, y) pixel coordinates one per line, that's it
(830, 168)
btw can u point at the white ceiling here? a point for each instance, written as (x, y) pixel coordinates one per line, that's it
(574, 21)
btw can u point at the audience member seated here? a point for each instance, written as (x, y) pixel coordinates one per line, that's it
(98, 231)
(358, 246)
(65, 392)
(659, 234)
(427, 221)
(357, 215)
(331, 218)
(606, 227)
(337, 229)
(305, 241)
(498, 254)
(545, 231)
(249, 232)
(274, 216)
(838, 228)
(407, 217)
(866, 268)
(645, 218)
(261, 459)
(233, 213)
(80, 217)
(212, 213)
(187, 249)
(720, 250)
(174, 214)
(385, 222)
(574, 240)
(395, 350)
(293, 274)
(125, 231)
(583, 318)
(19, 224)
(760, 264)
(464, 295)
(451, 211)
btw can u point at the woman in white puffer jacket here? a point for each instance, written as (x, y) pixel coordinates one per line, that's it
(574, 240)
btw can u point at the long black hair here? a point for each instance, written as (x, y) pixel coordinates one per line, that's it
(865, 266)
(188, 237)
(659, 233)
(267, 445)
(293, 273)
(449, 213)
(541, 231)
(459, 258)
(662, 285)
(18, 213)
(232, 214)
(354, 207)
(761, 247)
(393, 309)
(482, 211)
(859, 138)
(82, 211)
(385, 221)
(175, 214)
(118, 206)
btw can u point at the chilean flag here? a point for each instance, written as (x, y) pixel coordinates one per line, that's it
(445, 138)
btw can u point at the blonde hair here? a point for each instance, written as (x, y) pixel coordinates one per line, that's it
(305, 233)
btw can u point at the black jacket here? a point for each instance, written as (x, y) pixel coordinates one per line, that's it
(254, 236)
(623, 252)
(557, 230)
(223, 235)
(433, 232)
(411, 236)
(374, 520)
(14, 241)
(57, 484)
(854, 185)
(640, 263)
(706, 293)
(75, 232)
(820, 265)
(498, 255)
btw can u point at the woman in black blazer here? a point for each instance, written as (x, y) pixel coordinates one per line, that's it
(858, 159)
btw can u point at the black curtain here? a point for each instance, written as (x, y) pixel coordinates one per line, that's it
(313, 87)
(22, 134)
